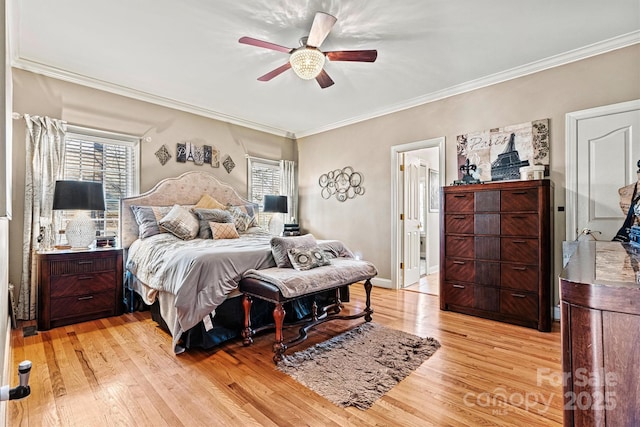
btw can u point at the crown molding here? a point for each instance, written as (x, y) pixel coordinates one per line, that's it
(514, 73)
(80, 79)
(534, 67)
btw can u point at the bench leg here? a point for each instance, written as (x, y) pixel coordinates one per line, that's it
(247, 333)
(368, 310)
(279, 347)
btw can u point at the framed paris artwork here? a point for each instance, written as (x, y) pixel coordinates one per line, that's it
(499, 153)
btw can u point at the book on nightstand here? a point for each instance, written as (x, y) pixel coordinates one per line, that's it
(291, 230)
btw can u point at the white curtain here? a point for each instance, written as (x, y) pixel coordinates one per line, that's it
(289, 188)
(45, 150)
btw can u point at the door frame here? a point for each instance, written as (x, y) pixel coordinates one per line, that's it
(571, 162)
(396, 198)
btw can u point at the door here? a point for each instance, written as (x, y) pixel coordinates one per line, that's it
(411, 221)
(608, 150)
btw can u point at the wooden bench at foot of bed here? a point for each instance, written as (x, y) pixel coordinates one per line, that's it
(269, 290)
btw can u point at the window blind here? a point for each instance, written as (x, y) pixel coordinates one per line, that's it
(264, 179)
(109, 158)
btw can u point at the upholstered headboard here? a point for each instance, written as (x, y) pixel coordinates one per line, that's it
(185, 189)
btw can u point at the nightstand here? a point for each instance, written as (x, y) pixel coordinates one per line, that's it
(76, 286)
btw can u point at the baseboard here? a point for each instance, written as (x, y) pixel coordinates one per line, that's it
(381, 283)
(6, 374)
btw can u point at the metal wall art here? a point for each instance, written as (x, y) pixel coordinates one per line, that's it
(163, 155)
(198, 154)
(344, 184)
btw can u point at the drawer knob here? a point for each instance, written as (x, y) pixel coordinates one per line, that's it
(85, 277)
(459, 262)
(519, 268)
(518, 295)
(519, 242)
(460, 196)
(85, 298)
(459, 286)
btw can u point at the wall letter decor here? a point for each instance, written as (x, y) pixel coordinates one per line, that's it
(186, 151)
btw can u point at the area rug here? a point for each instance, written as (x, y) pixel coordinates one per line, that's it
(359, 366)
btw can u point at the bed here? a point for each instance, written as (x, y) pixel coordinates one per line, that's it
(191, 284)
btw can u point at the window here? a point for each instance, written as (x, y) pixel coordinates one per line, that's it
(264, 179)
(110, 158)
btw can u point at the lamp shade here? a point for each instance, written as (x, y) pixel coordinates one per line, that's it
(78, 195)
(275, 204)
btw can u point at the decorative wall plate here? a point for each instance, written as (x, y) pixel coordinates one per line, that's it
(228, 164)
(163, 155)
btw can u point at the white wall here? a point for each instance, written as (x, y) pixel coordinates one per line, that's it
(5, 208)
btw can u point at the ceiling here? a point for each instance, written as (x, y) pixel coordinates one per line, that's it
(185, 54)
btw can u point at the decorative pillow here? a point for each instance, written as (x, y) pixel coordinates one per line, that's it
(181, 223)
(306, 259)
(281, 245)
(223, 230)
(208, 202)
(241, 218)
(207, 215)
(147, 218)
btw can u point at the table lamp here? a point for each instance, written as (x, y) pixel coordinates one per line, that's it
(277, 205)
(81, 196)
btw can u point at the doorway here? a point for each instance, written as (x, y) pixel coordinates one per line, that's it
(429, 180)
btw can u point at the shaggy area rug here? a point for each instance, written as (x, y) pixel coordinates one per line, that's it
(357, 367)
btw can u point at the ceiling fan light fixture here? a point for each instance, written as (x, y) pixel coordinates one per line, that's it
(307, 62)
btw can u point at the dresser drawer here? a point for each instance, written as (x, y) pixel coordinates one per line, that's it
(458, 294)
(522, 305)
(487, 223)
(82, 265)
(458, 269)
(519, 200)
(459, 246)
(520, 277)
(82, 305)
(520, 250)
(519, 224)
(458, 202)
(82, 284)
(487, 247)
(462, 224)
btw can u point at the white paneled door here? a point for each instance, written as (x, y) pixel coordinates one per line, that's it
(411, 221)
(606, 156)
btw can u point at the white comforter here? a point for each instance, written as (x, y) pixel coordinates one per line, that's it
(200, 273)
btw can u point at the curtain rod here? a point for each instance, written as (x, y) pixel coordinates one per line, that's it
(18, 116)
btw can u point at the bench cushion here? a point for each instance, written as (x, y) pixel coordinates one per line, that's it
(293, 283)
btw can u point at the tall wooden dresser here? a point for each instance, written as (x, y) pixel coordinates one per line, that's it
(496, 251)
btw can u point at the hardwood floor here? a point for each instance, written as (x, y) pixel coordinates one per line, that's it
(122, 371)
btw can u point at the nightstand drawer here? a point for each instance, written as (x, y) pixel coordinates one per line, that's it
(82, 284)
(82, 265)
(81, 305)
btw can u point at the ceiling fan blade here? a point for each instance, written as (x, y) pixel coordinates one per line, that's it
(274, 73)
(322, 24)
(353, 55)
(267, 45)
(324, 80)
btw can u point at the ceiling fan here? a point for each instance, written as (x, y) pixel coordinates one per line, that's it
(307, 61)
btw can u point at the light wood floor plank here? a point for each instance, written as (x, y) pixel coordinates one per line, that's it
(122, 371)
